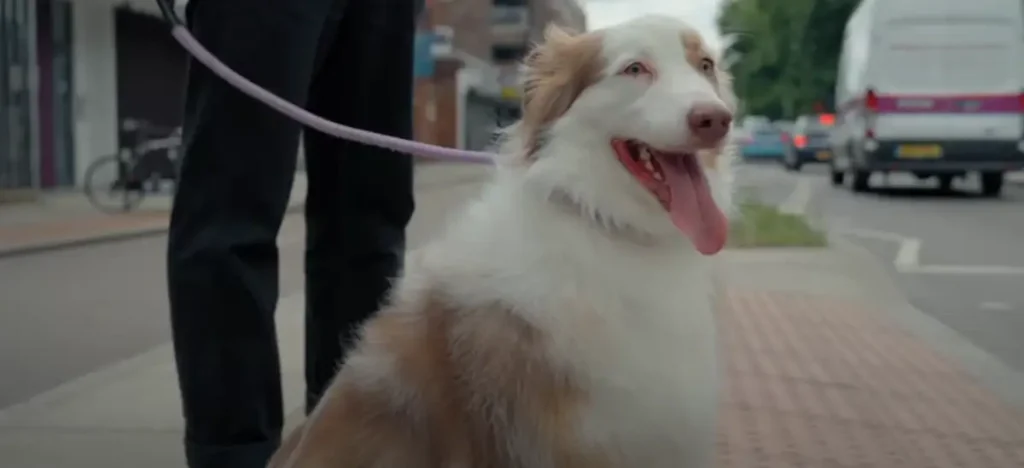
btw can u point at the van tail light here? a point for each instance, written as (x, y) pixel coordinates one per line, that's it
(1020, 101)
(871, 101)
(800, 141)
(871, 105)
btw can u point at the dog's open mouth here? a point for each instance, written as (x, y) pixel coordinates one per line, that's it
(678, 182)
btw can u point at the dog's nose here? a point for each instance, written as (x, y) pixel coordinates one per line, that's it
(709, 122)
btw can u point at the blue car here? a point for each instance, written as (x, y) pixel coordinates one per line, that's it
(763, 142)
(810, 142)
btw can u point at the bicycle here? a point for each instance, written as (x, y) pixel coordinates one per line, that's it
(118, 183)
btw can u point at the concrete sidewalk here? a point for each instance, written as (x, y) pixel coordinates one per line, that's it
(65, 219)
(817, 375)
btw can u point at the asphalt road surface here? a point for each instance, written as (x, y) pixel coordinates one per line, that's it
(957, 256)
(69, 312)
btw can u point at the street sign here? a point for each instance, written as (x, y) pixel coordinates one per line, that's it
(508, 80)
(423, 56)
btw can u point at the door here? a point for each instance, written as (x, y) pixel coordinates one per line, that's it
(53, 54)
(15, 96)
(151, 70)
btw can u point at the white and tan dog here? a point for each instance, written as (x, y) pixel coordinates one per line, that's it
(565, 319)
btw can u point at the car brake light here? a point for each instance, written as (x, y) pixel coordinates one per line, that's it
(871, 101)
(1020, 101)
(800, 141)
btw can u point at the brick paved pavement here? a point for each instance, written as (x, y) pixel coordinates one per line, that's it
(821, 381)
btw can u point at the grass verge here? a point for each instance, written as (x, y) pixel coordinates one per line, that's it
(761, 225)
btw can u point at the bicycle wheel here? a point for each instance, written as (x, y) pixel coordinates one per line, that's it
(111, 185)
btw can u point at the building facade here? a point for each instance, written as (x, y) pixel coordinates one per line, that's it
(478, 47)
(76, 69)
(72, 71)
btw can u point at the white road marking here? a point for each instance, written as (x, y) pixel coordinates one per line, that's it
(990, 305)
(290, 239)
(966, 270)
(871, 234)
(799, 199)
(908, 256)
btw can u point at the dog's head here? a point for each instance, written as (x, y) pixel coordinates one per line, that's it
(630, 123)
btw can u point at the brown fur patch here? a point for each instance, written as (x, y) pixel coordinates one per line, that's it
(467, 388)
(557, 72)
(693, 44)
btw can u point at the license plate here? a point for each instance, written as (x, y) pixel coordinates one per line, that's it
(823, 155)
(919, 151)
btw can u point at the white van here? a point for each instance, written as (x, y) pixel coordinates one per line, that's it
(931, 87)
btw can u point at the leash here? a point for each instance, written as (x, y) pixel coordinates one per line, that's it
(181, 34)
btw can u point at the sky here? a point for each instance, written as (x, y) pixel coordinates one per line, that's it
(699, 13)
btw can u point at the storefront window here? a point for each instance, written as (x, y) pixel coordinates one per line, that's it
(15, 95)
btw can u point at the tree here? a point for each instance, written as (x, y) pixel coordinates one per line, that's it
(786, 52)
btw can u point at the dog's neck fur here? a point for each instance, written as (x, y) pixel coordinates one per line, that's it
(514, 229)
(562, 200)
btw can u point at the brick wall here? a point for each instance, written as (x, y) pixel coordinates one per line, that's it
(436, 99)
(434, 109)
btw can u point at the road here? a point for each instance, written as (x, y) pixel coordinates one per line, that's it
(958, 257)
(67, 313)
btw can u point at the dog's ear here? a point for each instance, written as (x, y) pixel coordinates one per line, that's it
(556, 72)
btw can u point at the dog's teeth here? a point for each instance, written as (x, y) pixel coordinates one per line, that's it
(648, 165)
(657, 176)
(645, 155)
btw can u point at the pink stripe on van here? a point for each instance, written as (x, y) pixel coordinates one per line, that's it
(964, 104)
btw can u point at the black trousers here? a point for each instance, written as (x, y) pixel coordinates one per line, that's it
(349, 61)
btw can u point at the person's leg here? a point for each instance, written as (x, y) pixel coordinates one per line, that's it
(360, 198)
(234, 186)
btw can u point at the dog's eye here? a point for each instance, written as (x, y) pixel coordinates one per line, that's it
(635, 69)
(707, 65)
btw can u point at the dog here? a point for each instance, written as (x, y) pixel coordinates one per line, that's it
(565, 318)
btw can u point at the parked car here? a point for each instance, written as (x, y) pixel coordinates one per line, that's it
(761, 141)
(809, 141)
(931, 87)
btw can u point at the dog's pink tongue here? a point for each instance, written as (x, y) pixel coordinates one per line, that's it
(693, 210)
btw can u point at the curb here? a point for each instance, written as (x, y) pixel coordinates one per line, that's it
(25, 250)
(81, 241)
(989, 370)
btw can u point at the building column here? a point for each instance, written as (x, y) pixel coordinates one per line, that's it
(94, 105)
(436, 109)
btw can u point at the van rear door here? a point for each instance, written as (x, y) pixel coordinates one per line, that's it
(952, 79)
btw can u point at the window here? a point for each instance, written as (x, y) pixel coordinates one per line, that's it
(511, 2)
(508, 53)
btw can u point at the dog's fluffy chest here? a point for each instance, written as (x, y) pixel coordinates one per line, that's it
(652, 383)
(634, 325)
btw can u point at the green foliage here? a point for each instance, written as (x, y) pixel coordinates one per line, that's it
(788, 52)
(761, 225)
